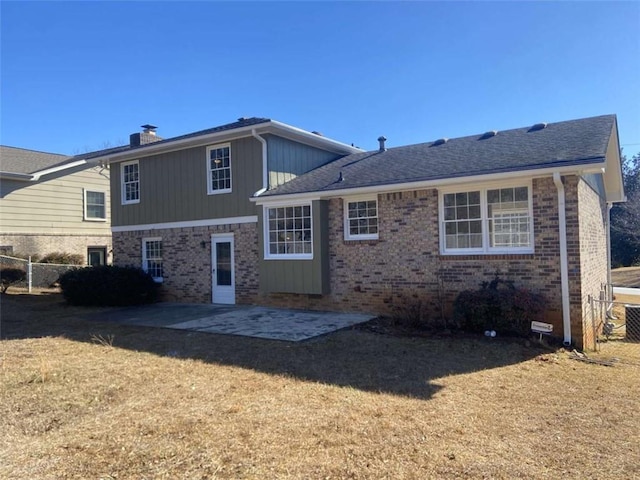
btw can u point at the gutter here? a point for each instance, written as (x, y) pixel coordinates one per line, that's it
(564, 263)
(265, 171)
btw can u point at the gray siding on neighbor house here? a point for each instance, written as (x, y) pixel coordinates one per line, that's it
(300, 276)
(173, 187)
(288, 159)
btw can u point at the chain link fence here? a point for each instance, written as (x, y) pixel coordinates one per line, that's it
(38, 275)
(616, 327)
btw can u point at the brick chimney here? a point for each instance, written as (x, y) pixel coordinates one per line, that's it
(148, 135)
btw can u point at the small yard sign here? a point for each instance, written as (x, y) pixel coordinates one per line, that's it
(541, 327)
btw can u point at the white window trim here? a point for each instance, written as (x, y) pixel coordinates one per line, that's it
(284, 256)
(210, 190)
(484, 209)
(123, 191)
(144, 256)
(359, 198)
(87, 217)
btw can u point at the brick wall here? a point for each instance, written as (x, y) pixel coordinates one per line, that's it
(372, 275)
(40, 245)
(187, 260)
(593, 255)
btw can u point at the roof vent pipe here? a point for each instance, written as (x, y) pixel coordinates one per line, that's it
(382, 139)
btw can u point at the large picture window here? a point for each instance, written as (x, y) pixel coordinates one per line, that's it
(130, 182)
(152, 258)
(288, 232)
(490, 220)
(219, 169)
(361, 219)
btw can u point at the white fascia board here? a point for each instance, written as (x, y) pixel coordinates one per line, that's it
(34, 177)
(60, 168)
(186, 224)
(271, 126)
(408, 186)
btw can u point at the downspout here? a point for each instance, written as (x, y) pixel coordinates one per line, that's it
(564, 263)
(609, 287)
(265, 172)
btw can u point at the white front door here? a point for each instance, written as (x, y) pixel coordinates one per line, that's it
(222, 271)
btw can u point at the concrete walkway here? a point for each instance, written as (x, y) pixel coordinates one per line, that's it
(246, 320)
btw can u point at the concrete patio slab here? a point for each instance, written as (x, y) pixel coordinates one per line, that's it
(251, 321)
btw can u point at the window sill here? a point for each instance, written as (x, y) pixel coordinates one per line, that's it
(218, 192)
(290, 257)
(95, 220)
(131, 202)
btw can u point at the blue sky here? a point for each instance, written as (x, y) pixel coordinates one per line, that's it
(78, 76)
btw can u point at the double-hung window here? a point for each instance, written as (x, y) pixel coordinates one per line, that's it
(219, 169)
(361, 218)
(152, 257)
(288, 232)
(94, 206)
(487, 220)
(130, 182)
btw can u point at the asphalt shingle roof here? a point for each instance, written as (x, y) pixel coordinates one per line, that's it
(572, 142)
(20, 160)
(245, 122)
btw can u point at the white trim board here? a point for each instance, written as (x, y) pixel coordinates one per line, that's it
(190, 223)
(627, 291)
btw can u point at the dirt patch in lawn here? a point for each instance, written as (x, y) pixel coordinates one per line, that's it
(97, 400)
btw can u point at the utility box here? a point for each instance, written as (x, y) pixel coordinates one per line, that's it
(632, 322)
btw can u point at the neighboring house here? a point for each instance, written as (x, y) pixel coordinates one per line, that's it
(53, 203)
(261, 212)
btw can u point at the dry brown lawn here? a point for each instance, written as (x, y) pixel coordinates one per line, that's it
(626, 277)
(89, 400)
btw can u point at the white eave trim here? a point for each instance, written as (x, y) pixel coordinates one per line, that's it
(438, 183)
(34, 177)
(272, 126)
(186, 224)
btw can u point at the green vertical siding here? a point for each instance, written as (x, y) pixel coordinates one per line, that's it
(299, 276)
(173, 186)
(288, 159)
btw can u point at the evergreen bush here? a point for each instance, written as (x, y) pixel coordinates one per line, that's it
(107, 285)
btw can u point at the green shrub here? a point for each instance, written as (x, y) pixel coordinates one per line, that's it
(9, 276)
(498, 306)
(106, 285)
(62, 258)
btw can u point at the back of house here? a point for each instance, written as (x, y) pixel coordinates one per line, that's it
(257, 211)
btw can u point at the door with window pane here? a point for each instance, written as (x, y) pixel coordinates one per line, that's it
(222, 271)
